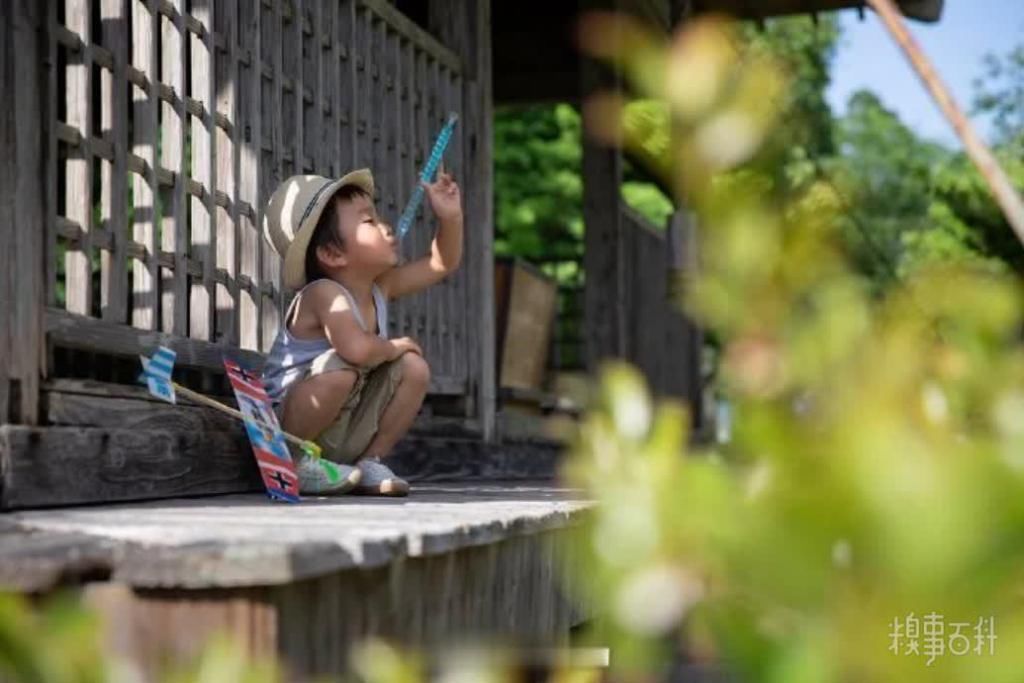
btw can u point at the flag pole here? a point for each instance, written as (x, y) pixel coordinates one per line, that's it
(304, 444)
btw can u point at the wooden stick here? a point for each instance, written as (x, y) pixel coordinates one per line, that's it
(980, 154)
(304, 444)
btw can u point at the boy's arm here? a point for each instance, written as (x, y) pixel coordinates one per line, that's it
(349, 339)
(445, 250)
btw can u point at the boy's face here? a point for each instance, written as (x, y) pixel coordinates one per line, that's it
(370, 243)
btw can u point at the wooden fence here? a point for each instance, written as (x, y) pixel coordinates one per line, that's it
(168, 123)
(660, 340)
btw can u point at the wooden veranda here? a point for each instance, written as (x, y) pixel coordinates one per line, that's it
(142, 139)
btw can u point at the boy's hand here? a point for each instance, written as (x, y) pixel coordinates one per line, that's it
(403, 344)
(445, 197)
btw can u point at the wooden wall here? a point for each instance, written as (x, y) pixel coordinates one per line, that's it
(168, 124)
(510, 592)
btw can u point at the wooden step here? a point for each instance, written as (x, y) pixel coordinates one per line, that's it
(108, 443)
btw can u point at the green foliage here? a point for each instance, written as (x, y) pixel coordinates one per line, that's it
(803, 48)
(55, 644)
(538, 188)
(1000, 93)
(886, 174)
(58, 641)
(875, 471)
(910, 202)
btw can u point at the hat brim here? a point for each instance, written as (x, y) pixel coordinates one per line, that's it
(294, 275)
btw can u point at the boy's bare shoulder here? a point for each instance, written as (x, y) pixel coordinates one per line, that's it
(325, 297)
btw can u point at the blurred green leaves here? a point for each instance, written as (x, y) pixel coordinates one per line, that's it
(875, 469)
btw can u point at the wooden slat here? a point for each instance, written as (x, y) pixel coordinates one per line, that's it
(437, 315)
(466, 29)
(389, 119)
(114, 107)
(347, 31)
(406, 171)
(393, 17)
(204, 164)
(227, 151)
(362, 81)
(51, 172)
(448, 313)
(373, 56)
(144, 184)
(460, 280)
(312, 58)
(416, 306)
(291, 118)
(269, 261)
(250, 93)
(174, 228)
(78, 167)
(82, 332)
(330, 85)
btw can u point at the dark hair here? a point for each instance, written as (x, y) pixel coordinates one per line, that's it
(326, 231)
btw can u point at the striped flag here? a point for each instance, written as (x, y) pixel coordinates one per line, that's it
(268, 444)
(156, 372)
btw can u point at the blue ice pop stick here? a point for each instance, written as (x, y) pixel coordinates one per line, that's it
(409, 215)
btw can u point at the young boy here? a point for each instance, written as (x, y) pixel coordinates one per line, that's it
(332, 373)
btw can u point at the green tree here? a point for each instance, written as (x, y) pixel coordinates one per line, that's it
(538, 186)
(886, 174)
(1000, 94)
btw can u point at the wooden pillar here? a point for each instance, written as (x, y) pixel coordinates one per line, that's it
(23, 80)
(465, 27)
(604, 262)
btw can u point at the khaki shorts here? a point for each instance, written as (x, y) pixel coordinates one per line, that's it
(349, 435)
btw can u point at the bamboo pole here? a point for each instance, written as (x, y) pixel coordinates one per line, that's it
(305, 445)
(1006, 196)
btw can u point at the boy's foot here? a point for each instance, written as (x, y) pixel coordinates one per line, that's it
(319, 476)
(379, 480)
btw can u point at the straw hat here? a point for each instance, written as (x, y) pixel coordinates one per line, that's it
(292, 214)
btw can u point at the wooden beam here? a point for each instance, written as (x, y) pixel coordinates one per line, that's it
(604, 260)
(82, 332)
(440, 50)
(466, 29)
(24, 80)
(922, 10)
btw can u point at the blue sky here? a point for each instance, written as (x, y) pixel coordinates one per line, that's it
(867, 58)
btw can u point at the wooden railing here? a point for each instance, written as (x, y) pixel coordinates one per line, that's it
(660, 339)
(158, 173)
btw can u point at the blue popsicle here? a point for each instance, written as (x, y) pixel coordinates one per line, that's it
(409, 214)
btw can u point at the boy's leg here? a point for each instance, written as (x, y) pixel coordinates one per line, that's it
(310, 407)
(384, 406)
(315, 402)
(404, 405)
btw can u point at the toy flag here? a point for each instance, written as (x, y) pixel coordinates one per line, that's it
(156, 373)
(409, 214)
(268, 444)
